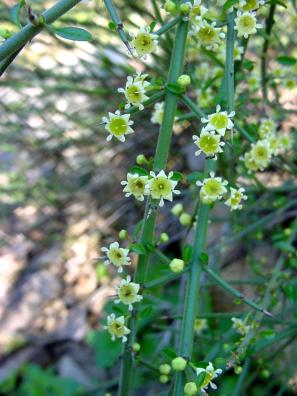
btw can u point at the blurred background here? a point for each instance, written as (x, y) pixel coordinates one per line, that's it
(61, 198)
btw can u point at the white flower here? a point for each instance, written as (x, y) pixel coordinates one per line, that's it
(117, 125)
(240, 326)
(212, 188)
(161, 186)
(197, 10)
(157, 116)
(236, 196)
(135, 185)
(135, 91)
(200, 325)
(246, 23)
(127, 292)
(209, 143)
(144, 42)
(116, 327)
(267, 127)
(116, 255)
(210, 374)
(261, 154)
(207, 34)
(219, 121)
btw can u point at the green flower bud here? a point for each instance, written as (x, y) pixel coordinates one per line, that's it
(179, 364)
(141, 160)
(169, 6)
(185, 8)
(123, 234)
(237, 370)
(163, 379)
(184, 80)
(136, 347)
(190, 389)
(165, 369)
(185, 219)
(177, 209)
(164, 237)
(176, 265)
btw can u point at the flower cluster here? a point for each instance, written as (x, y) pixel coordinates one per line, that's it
(270, 144)
(240, 326)
(158, 185)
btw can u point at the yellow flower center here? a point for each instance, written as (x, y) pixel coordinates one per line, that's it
(219, 121)
(137, 186)
(116, 256)
(206, 35)
(160, 187)
(118, 126)
(196, 11)
(116, 329)
(133, 94)
(213, 187)
(261, 153)
(127, 294)
(207, 379)
(144, 43)
(247, 23)
(208, 144)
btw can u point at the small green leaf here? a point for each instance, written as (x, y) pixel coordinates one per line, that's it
(177, 176)
(107, 351)
(286, 60)
(138, 170)
(73, 33)
(170, 353)
(228, 4)
(138, 248)
(201, 378)
(204, 258)
(187, 252)
(267, 333)
(175, 89)
(195, 176)
(137, 229)
(15, 14)
(153, 25)
(284, 246)
(150, 247)
(112, 26)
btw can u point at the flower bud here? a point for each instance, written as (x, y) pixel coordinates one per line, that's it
(185, 219)
(237, 370)
(185, 8)
(136, 347)
(169, 6)
(165, 369)
(141, 160)
(177, 209)
(163, 379)
(123, 234)
(190, 389)
(184, 80)
(176, 265)
(179, 364)
(164, 237)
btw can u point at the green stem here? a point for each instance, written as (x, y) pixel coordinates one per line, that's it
(116, 19)
(268, 29)
(225, 285)
(245, 369)
(26, 34)
(169, 25)
(161, 155)
(191, 298)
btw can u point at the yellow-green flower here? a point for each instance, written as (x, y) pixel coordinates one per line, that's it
(240, 326)
(210, 375)
(116, 327)
(144, 42)
(128, 292)
(212, 188)
(285, 142)
(200, 324)
(116, 255)
(157, 116)
(197, 11)
(235, 198)
(249, 162)
(161, 186)
(117, 125)
(209, 143)
(134, 91)
(267, 128)
(219, 121)
(261, 153)
(207, 34)
(274, 144)
(135, 185)
(246, 24)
